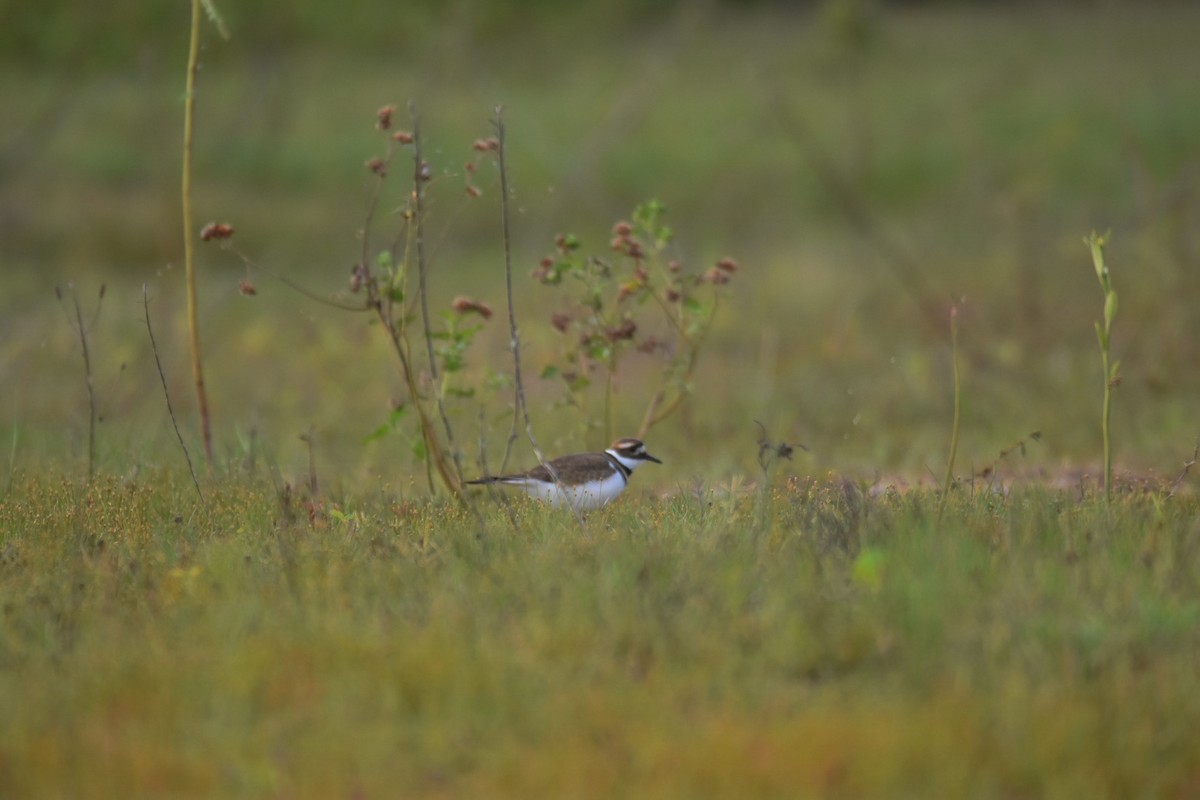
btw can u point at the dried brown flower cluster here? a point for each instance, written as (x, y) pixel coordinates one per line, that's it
(383, 117)
(623, 332)
(483, 149)
(467, 305)
(377, 165)
(215, 230)
(719, 275)
(625, 243)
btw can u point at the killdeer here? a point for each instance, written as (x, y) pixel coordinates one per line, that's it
(585, 480)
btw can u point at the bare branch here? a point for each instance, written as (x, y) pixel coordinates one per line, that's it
(520, 405)
(167, 395)
(454, 482)
(1187, 467)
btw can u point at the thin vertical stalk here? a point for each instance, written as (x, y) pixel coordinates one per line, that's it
(1111, 368)
(521, 406)
(610, 412)
(949, 480)
(189, 110)
(1106, 427)
(163, 378)
(453, 481)
(91, 391)
(81, 329)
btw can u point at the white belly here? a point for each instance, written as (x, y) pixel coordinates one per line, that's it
(583, 498)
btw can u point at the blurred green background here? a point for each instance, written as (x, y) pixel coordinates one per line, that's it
(868, 164)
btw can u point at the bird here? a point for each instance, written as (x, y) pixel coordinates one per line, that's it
(584, 480)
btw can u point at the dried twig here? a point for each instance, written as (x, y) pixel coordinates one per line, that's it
(521, 407)
(420, 176)
(949, 482)
(162, 377)
(990, 470)
(82, 328)
(253, 266)
(500, 496)
(1187, 467)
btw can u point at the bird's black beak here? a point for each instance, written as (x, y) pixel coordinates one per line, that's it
(652, 458)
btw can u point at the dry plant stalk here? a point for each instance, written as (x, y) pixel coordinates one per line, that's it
(520, 406)
(163, 378)
(1112, 369)
(189, 261)
(383, 282)
(453, 481)
(949, 479)
(82, 328)
(386, 296)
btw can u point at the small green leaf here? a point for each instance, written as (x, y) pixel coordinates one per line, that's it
(1114, 370)
(1097, 244)
(418, 449)
(869, 567)
(1110, 308)
(550, 371)
(496, 381)
(646, 215)
(377, 434)
(393, 422)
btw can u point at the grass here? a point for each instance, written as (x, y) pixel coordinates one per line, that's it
(1037, 644)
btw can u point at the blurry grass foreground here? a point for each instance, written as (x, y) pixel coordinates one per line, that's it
(842, 643)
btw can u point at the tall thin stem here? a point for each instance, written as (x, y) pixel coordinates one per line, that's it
(949, 480)
(521, 407)
(453, 481)
(163, 378)
(515, 339)
(1106, 426)
(81, 329)
(189, 110)
(1104, 336)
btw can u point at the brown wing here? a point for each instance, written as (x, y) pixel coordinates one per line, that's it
(581, 467)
